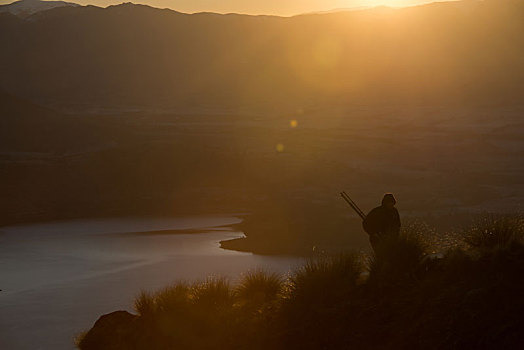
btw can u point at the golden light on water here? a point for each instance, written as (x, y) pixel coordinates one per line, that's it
(280, 148)
(293, 123)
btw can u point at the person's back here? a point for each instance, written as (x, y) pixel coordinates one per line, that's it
(382, 222)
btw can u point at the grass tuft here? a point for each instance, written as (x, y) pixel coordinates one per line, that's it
(214, 293)
(145, 304)
(259, 287)
(340, 272)
(174, 298)
(492, 230)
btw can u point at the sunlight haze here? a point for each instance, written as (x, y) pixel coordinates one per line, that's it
(255, 7)
(261, 174)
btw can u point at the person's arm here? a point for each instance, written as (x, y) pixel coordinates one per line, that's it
(397, 219)
(370, 222)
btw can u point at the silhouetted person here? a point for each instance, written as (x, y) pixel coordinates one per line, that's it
(382, 222)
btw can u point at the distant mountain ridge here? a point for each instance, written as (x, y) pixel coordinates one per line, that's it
(26, 8)
(136, 55)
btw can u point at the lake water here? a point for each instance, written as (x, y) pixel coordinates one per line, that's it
(58, 278)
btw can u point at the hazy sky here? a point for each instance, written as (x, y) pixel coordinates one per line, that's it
(277, 7)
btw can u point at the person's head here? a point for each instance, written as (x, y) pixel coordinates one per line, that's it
(389, 200)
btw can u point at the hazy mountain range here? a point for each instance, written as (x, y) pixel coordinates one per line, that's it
(137, 56)
(26, 8)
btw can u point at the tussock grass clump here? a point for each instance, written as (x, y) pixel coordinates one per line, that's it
(214, 293)
(314, 293)
(259, 287)
(173, 299)
(189, 316)
(492, 230)
(145, 304)
(309, 282)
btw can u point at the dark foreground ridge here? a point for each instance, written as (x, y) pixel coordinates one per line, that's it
(467, 298)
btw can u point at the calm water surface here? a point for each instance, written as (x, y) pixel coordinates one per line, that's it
(58, 278)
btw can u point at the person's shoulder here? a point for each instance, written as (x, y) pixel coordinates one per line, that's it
(390, 210)
(393, 212)
(375, 210)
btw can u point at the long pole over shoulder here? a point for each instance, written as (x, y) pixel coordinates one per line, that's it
(353, 205)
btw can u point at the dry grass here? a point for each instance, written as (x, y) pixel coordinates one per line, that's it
(259, 287)
(491, 230)
(461, 300)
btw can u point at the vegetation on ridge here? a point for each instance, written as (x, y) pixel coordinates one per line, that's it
(402, 297)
